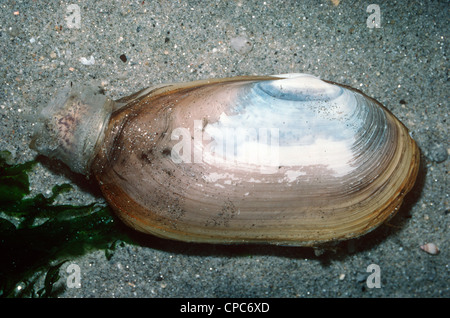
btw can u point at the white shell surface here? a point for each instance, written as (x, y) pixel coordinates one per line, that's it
(301, 121)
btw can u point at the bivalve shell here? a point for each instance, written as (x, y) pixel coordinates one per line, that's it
(287, 159)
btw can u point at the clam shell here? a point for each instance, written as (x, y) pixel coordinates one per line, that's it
(286, 159)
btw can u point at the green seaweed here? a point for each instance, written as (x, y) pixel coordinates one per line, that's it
(38, 236)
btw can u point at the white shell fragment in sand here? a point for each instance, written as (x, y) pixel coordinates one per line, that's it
(430, 248)
(85, 61)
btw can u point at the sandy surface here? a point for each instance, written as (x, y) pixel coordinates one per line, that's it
(403, 64)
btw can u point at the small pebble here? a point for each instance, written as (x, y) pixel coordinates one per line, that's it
(241, 45)
(123, 57)
(361, 277)
(437, 153)
(13, 31)
(430, 248)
